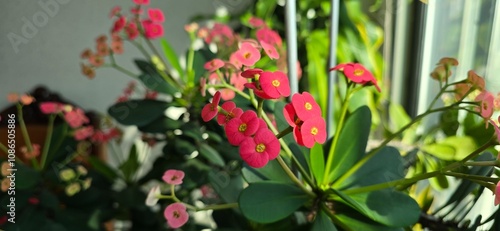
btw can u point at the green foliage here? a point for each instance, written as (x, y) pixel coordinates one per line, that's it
(132, 112)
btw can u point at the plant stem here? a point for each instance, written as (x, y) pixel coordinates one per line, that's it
(190, 61)
(219, 207)
(26, 135)
(403, 182)
(48, 140)
(293, 177)
(124, 71)
(340, 124)
(482, 163)
(284, 132)
(332, 216)
(260, 104)
(4, 149)
(470, 177)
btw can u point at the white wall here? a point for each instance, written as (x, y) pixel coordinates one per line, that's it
(50, 54)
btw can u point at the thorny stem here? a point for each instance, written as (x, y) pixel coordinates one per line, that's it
(192, 207)
(293, 177)
(48, 140)
(26, 135)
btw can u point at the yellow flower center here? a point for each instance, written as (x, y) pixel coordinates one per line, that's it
(358, 72)
(276, 83)
(308, 106)
(314, 131)
(242, 127)
(247, 55)
(176, 214)
(260, 148)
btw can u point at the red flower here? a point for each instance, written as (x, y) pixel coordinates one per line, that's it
(251, 73)
(152, 30)
(256, 22)
(486, 99)
(260, 149)
(257, 90)
(274, 84)
(357, 73)
(305, 106)
(240, 128)
(141, 2)
(269, 36)
(227, 94)
(51, 107)
(313, 130)
(76, 118)
(156, 15)
(173, 177)
(231, 112)
(248, 55)
(270, 50)
(176, 215)
(119, 24)
(210, 110)
(115, 11)
(131, 30)
(83, 133)
(213, 65)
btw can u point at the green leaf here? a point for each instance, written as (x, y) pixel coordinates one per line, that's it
(228, 187)
(323, 223)
(137, 112)
(452, 148)
(352, 142)
(130, 166)
(272, 171)
(317, 51)
(387, 207)
(267, 202)
(318, 162)
(152, 79)
(171, 56)
(25, 177)
(161, 125)
(385, 166)
(354, 220)
(211, 154)
(103, 168)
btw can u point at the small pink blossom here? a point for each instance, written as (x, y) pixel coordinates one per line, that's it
(227, 94)
(248, 54)
(152, 30)
(269, 36)
(131, 30)
(234, 60)
(35, 152)
(26, 99)
(240, 128)
(119, 24)
(274, 84)
(176, 215)
(256, 22)
(231, 111)
(173, 177)
(83, 133)
(270, 50)
(260, 149)
(210, 110)
(156, 15)
(115, 11)
(213, 65)
(76, 118)
(136, 10)
(251, 73)
(141, 2)
(13, 97)
(485, 99)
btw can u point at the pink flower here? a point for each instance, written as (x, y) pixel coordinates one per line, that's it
(497, 129)
(305, 106)
(357, 73)
(76, 118)
(119, 24)
(26, 99)
(96, 60)
(102, 49)
(475, 80)
(83, 133)
(238, 82)
(173, 177)
(213, 65)
(274, 84)
(210, 110)
(313, 130)
(248, 55)
(220, 33)
(35, 152)
(131, 30)
(269, 36)
(141, 2)
(497, 194)
(270, 50)
(231, 111)
(151, 94)
(115, 11)
(51, 107)
(256, 22)
(227, 94)
(152, 30)
(240, 128)
(156, 15)
(176, 215)
(486, 108)
(136, 10)
(233, 59)
(257, 90)
(12, 97)
(260, 149)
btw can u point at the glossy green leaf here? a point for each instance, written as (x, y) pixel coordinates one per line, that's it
(439, 182)
(25, 177)
(353, 220)
(385, 166)
(171, 56)
(317, 162)
(103, 168)
(272, 171)
(323, 223)
(387, 207)
(137, 112)
(211, 154)
(352, 142)
(152, 79)
(267, 202)
(130, 166)
(161, 125)
(227, 186)
(452, 148)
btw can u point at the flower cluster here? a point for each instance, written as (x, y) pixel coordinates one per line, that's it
(176, 213)
(125, 27)
(74, 179)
